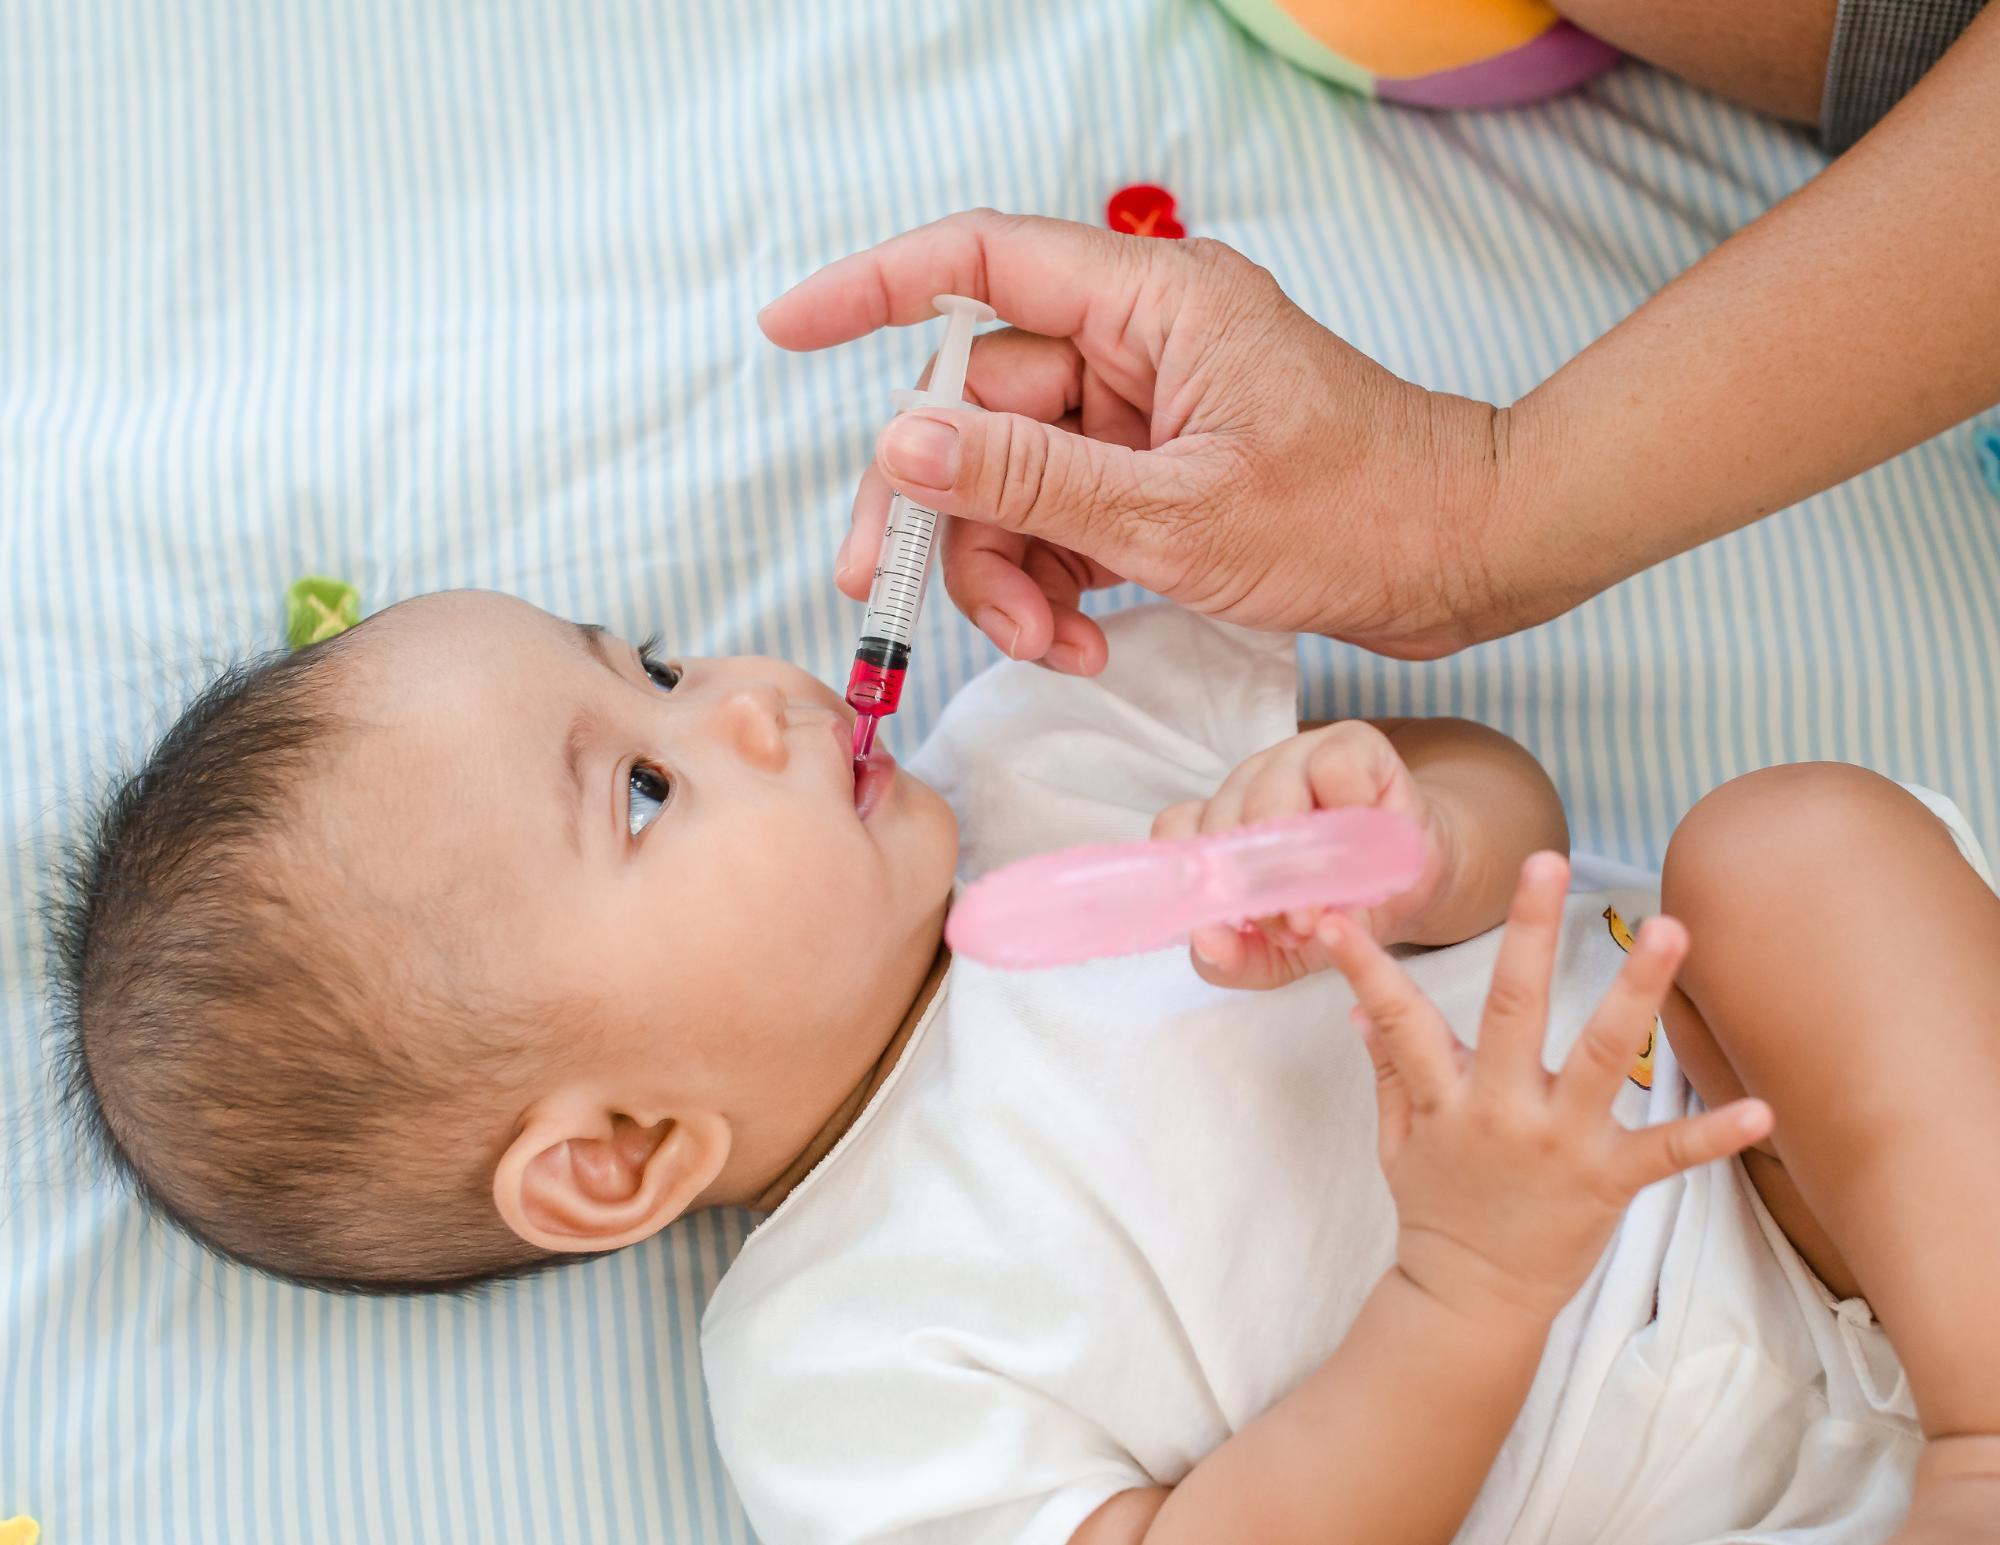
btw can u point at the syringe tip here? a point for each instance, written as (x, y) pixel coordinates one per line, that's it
(864, 737)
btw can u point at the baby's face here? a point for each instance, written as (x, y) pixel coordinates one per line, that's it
(670, 845)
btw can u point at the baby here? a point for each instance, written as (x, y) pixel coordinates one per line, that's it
(475, 940)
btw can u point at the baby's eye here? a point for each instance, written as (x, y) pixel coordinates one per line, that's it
(646, 797)
(664, 676)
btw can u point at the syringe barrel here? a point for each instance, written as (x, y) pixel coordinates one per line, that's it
(896, 596)
(895, 600)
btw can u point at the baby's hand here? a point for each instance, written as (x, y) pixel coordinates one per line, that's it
(1349, 763)
(1509, 1180)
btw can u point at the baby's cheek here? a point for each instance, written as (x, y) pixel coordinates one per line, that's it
(935, 859)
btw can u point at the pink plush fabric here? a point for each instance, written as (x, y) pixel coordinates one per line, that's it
(1560, 59)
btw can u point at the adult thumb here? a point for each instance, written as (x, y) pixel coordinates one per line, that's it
(1128, 509)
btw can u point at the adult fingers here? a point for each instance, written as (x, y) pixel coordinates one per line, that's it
(1049, 380)
(1020, 597)
(854, 564)
(1601, 1060)
(1516, 1017)
(1041, 377)
(1052, 277)
(982, 570)
(1654, 1153)
(1142, 514)
(1076, 645)
(1412, 1032)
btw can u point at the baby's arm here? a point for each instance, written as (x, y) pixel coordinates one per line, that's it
(1508, 1183)
(1484, 804)
(1497, 804)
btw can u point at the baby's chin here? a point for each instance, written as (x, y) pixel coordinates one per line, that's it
(912, 821)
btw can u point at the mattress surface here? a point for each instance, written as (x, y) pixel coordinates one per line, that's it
(450, 293)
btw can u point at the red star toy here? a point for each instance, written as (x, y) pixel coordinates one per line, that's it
(1143, 210)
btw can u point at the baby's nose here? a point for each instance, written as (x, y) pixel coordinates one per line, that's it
(752, 714)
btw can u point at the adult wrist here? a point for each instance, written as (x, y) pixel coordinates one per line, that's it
(1444, 484)
(1532, 570)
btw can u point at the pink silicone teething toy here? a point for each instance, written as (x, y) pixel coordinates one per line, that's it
(1125, 898)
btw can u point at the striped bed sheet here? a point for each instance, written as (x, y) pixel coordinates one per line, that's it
(432, 293)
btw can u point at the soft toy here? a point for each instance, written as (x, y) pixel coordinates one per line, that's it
(1430, 53)
(317, 608)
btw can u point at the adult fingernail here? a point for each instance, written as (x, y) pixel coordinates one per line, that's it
(921, 451)
(840, 558)
(998, 626)
(1066, 658)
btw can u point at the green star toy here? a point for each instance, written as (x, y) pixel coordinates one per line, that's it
(318, 608)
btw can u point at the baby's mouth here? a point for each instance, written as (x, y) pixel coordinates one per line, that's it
(872, 777)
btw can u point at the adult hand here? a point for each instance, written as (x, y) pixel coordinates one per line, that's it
(1165, 414)
(1161, 412)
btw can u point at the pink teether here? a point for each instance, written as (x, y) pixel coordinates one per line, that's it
(1125, 898)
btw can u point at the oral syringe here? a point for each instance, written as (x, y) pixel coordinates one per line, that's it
(896, 597)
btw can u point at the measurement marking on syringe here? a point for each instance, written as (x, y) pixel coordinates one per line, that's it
(898, 590)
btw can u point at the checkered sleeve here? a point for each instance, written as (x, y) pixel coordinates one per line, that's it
(1881, 48)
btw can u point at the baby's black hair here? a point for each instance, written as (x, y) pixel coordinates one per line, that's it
(266, 1056)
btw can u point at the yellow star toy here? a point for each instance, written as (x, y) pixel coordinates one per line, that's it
(21, 1530)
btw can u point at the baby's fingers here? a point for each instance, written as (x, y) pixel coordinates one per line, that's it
(1602, 1058)
(1393, 1106)
(1407, 1027)
(1654, 1153)
(1516, 1017)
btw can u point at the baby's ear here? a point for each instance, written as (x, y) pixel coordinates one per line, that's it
(580, 1178)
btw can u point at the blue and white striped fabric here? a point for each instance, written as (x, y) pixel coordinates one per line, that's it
(429, 293)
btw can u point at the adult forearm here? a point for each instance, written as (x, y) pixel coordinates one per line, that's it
(1853, 320)
(1388, 1442)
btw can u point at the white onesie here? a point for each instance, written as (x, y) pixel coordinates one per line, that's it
(1099, 1218)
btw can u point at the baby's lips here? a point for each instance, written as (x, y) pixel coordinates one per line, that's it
(872, 778)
